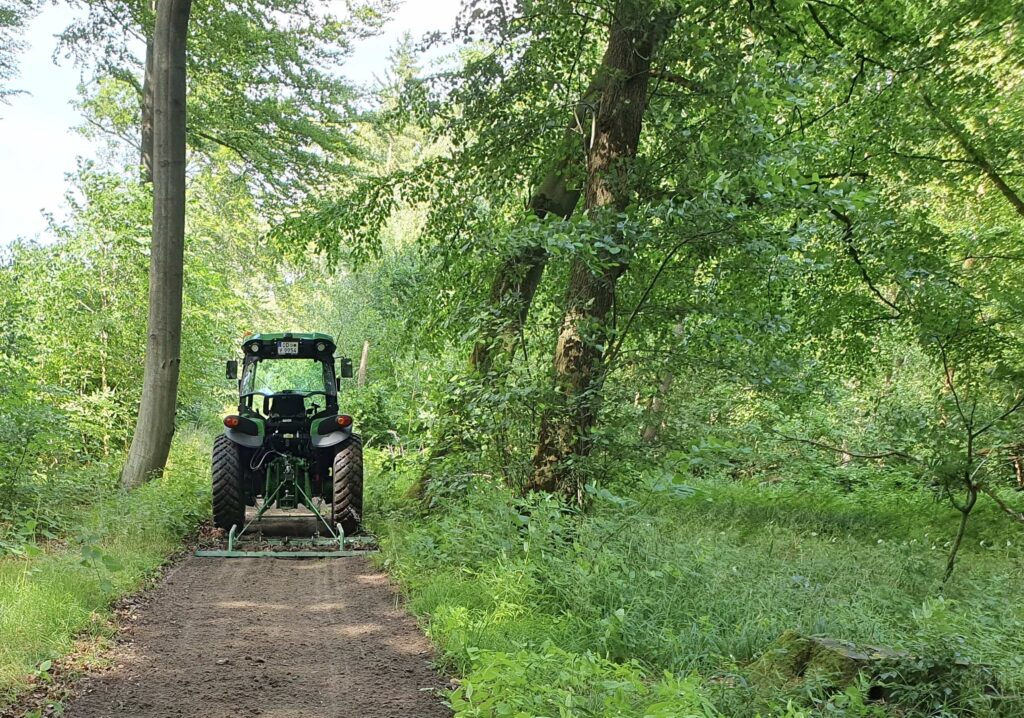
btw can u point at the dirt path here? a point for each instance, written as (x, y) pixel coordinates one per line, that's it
(269, 637)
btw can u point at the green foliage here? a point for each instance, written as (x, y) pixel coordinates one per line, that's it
(812, 360)
(54, 590)
(554, 682)
(537, 605)
(74, 334)
(265, 94)
(14, 16)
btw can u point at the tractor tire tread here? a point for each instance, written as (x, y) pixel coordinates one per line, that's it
(228, 490)
(347, 507)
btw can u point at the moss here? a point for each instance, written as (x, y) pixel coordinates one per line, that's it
(795, 657)
(813, 664)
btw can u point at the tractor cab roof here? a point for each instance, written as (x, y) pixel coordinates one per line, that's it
(288, 345)
(274, 336)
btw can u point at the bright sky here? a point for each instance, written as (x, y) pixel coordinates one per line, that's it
(38, 145)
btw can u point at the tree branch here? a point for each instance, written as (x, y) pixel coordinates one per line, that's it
(802, 126)
(216, 140)
(839, 450)
(677, 79)
(976, 157)
(1013, 408)
(1007, 257)
(834, 39)
(617, 346)
(928, 158)
(856, 18)
(948, 372)
(112, 132)
(127, 77)
(854, 254)
(1003, 506)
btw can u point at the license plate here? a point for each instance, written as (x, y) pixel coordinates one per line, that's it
(287, 348)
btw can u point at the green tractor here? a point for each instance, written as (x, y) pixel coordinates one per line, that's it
(288, 445)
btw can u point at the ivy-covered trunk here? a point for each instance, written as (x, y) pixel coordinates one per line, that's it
(154, 428)
(637, 29)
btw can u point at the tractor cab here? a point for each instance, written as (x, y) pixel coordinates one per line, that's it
(288, 375)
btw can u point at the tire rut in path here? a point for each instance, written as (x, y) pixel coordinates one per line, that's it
(277, 638)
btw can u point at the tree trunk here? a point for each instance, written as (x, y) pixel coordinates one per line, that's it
(512, 291)
(655, 414)
(361, 374)
(155, 425)
(517, 278)
(637, 29)
(656, 410)
(146, 134)
(975, 155)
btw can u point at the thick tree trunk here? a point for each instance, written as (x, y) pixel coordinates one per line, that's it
(637, 29)
(518, 276)
(155, 426)
(363, 359)
(513, 288)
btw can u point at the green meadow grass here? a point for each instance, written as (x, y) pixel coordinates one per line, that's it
(57, 592)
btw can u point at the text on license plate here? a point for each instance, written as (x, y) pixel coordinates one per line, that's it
(287, 347)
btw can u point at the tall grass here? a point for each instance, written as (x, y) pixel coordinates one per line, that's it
(56, 592)
(699, 586)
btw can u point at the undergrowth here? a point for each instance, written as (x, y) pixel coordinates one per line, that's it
(659, 606)
(60, 588)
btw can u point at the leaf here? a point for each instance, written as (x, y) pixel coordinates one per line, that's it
(112, 564)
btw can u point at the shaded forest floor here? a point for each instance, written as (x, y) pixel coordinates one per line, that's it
(658, 603)
(56, 594)
(661, 599)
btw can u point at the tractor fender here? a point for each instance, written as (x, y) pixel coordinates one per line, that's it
(248, 432)
(242, 439)
(325, 441)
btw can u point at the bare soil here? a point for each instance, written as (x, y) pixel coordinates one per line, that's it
(278, 638)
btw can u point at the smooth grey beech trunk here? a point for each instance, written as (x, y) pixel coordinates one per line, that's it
(155, 426)
(146, 128)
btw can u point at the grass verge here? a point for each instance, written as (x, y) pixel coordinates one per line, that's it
(60, 590)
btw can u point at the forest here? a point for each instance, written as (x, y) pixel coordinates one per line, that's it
(692, 338)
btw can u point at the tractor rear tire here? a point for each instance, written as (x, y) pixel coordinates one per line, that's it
(228, 487)
(347, 508)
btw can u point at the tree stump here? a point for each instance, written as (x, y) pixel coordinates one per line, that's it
(831, 665)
